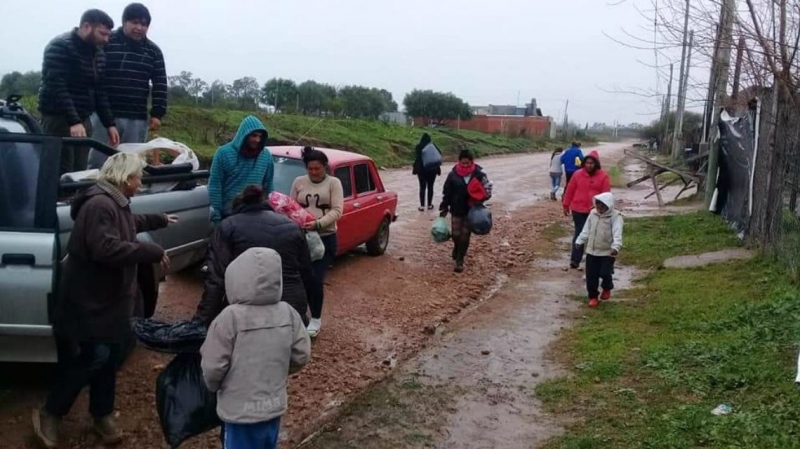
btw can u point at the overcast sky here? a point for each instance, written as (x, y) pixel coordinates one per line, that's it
(487, 52)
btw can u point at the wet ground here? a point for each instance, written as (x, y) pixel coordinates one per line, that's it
(381, 312)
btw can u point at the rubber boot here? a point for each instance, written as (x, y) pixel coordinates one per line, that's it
(107, 430)
(45, 427)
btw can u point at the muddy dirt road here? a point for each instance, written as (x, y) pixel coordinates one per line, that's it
(378, 312)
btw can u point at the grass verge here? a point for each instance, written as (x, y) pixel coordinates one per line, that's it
(648, 373)
(390, 145)
(650, 241)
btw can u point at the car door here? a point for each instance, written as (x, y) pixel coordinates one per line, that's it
(28, 245)
(366, 202)
(347, 224)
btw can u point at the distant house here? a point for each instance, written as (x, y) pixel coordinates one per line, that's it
(529, 110)
(400, 118)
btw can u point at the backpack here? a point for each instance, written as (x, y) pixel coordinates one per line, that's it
(431, 157)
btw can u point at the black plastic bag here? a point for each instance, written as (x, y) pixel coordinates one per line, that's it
(480, 219)
(172, 338)
(185, 406)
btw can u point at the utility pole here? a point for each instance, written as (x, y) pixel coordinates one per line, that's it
(708, 111)
(725, 40)
(681, 75)
(668, 107)
(737, 73)
(677, 137)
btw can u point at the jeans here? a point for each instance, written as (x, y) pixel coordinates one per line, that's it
(130, 131)
(577, 252)
(597, 268)
(260, 435)
(320, 267)
(555, 182)
(73, 159)
(81, 364)
(426, 181)
(461, 234)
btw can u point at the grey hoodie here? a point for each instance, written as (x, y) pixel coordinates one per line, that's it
(255, 343)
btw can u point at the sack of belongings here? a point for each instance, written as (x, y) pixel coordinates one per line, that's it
(172, 338)
(286, 205)
(185, 406)
(431, 157)
(440, 231)
(315, 245)
(480, 219)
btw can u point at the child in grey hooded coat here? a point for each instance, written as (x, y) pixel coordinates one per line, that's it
(250, 350)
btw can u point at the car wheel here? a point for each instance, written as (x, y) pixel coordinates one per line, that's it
(378, 244)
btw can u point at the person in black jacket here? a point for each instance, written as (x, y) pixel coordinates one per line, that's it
(133, 63)
(254, 224)
(73, 77)
(465, 186)
(426, 176)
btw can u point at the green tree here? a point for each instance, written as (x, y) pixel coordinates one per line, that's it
(279, 93)
(246, 92)
(315, 98)
(436, 107)
(17, 83)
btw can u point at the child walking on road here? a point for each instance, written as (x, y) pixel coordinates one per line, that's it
(602, 236)
(555, 173)
(251, 348)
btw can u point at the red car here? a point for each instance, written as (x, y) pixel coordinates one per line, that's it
(369, 209)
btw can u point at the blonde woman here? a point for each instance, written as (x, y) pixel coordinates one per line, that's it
(97, 296)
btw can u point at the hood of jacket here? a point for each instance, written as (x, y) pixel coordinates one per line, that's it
(606, 198)
(423, 142)
(596, 156)
(255, 278)
(101, 188)
(249, 125)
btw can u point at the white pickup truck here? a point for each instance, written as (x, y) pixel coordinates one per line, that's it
(35, 225)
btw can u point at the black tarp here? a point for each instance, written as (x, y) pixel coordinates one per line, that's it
(736, 163)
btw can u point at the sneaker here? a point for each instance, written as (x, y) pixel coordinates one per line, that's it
(552, 196)
(573, 265)
(459, 268)
(594, 303)
(45, 427)
(107, 430)
(421, 208)
(314, 326)
(606, 295)
(430, 206)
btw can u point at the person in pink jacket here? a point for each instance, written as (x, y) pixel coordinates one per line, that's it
(585, 184)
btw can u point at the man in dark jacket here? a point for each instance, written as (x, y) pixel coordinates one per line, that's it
(98, 296)
(133, 63)
(73, 88)
(254, 224)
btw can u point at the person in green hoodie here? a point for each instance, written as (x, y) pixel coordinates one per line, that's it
(239, 163)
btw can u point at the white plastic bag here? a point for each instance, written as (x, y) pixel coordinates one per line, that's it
(315, 245)
(178, 150)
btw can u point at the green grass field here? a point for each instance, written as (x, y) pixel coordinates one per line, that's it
(647, 372)
(390, 145)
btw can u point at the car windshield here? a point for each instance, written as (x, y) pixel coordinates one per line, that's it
(286, 171)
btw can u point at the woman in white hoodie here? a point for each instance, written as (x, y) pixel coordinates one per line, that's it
(602, 236)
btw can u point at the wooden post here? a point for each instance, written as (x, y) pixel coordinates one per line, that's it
(655, 186)
(737, 73)
(681, 75)
(677, 137)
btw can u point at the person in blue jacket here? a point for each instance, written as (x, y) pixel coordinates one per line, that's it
(239, 163)
(572, 159)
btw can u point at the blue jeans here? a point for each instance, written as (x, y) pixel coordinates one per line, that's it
(320, 267)
(260, 435)
(555, 182)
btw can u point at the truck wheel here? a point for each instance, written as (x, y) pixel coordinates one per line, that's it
(378, 244)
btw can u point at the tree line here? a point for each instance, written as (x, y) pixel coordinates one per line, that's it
(285, 96)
